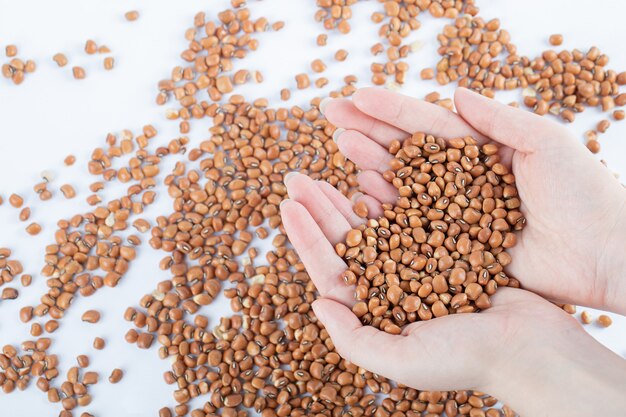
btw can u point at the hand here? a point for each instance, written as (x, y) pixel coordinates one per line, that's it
(522, 335)
(522, 338)
(571, 248)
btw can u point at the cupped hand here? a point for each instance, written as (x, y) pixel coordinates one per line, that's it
(522, 337)
(571, 250)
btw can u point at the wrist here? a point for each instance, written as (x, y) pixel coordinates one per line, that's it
(555, 376)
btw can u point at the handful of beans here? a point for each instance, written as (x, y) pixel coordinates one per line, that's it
(441, 249)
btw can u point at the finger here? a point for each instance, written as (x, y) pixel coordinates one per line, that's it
(374, 208)
(341, 203)
(316, 252)
(342, 113)
(413, 115)
(373, 183)
(519, 129)
(363, 151)
(362, 345)
(303, 189)
(507, 298)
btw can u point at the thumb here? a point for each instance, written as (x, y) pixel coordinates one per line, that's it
(516, 128)
(365, 346)
(440, 354)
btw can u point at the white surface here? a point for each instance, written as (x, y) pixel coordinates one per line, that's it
(51, 115)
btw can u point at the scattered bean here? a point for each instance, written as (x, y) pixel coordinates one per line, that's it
(109, 62)
(11, 51)
(60, 59)
(10, 294)
(91, 316)
(83, 361)
(91, 47)
(585, 317)
(593, 145)
(556, 39)
(604, 320)
(16, 200)
(68, 191)
(79, 73)
(318, 66)
(341, 55)
(24, 214)
(302, 81)
(98, 343)
(132, 15)
(33, 229)
(116, 376)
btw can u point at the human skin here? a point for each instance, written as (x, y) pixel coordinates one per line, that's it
(569, 251)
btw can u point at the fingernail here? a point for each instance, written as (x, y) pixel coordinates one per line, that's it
(318, 311)
(289, 175)
(324, 103)
(356, 196)
(282, 203)
(337, 133)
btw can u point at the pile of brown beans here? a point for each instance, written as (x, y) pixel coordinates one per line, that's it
(335, 14)
(479, 55)
(16, 370)
(398, 20)
(16, 69)
(10, 269)
(441, 249)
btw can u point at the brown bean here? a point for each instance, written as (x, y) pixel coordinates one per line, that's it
(91, 316)
(79, 73)
(26, 314)
(16, 200)
(109, 63)
(353, 238)
(360, 209)
(91, 47)
(302, 81)
(585, 317)
(603, 125)
(68, 191)
(341, 55)
(83, 361)
(10, 294)
(556, 39)
(427, 74)
(604, 320)
(11, 51)
(25, 214)
(593, 145)
(132, 15)
(224, 84)
(90, 378)
(318, 66)
(116, 376)
(60, 59)
(98, 343)
(144, 341)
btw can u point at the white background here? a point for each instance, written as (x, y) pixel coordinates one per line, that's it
(52, 115)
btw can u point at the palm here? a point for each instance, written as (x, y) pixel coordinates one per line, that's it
(561, 217)
(508, 318)
(316, 218)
